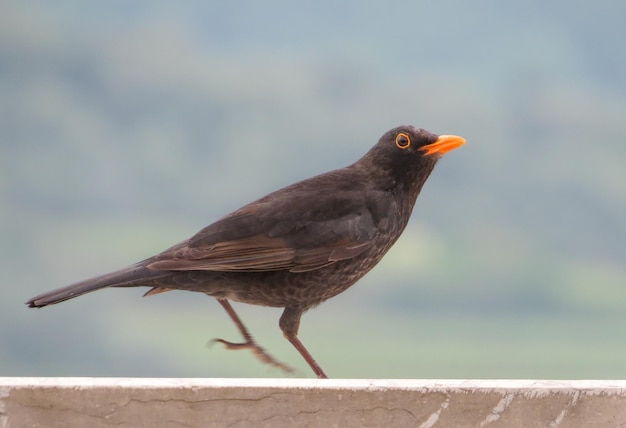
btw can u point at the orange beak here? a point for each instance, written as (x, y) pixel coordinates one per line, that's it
(444, 144)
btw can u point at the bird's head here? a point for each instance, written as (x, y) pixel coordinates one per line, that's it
(407, 155)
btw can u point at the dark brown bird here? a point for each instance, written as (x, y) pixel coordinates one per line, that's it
(295, 247)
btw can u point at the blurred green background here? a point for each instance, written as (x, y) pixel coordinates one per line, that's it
(128, 126)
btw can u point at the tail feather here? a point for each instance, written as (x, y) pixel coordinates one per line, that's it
(127, 277)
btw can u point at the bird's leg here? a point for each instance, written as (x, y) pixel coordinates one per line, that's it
(249, 343)
(289, 324)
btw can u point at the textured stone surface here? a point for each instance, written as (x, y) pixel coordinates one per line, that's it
(128, 402)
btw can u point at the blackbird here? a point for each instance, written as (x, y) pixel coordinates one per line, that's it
(297, 246)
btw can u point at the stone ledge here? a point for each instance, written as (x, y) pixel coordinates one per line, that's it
(137, 402)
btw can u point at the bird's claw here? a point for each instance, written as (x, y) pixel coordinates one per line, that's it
(257, 350)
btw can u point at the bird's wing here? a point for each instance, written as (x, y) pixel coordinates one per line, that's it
(296, 231)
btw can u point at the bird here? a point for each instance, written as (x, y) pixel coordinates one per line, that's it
(296, 247)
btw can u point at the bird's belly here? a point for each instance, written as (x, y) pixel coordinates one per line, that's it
(298, 289)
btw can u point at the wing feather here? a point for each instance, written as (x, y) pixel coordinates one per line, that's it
(287, 230)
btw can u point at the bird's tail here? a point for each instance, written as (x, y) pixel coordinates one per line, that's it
(127, 277)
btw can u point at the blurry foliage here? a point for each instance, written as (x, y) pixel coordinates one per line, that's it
(125, 129)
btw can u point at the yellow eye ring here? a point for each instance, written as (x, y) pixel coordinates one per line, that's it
(403, 141)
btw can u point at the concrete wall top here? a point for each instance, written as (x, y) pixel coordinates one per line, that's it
(138, 402)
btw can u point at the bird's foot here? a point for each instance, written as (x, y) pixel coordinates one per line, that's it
(257, 350)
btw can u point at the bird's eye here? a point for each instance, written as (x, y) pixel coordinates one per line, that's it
(403, 141)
